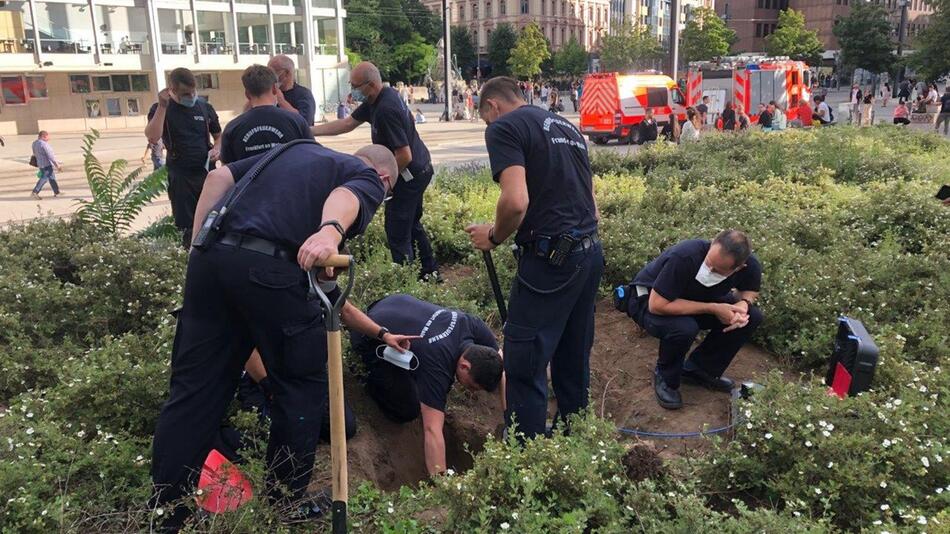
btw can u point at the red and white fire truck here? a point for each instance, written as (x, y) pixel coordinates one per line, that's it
(749, 80)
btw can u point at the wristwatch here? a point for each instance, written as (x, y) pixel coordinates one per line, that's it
(382, 332)
(491, 237)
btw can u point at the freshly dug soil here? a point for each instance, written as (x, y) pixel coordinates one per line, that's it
(622, 361)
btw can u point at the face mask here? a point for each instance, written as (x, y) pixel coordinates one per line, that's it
(357, 94)
(188, 101)
(706, 277)
(399, 359)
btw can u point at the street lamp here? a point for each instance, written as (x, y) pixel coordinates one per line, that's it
(901, 34)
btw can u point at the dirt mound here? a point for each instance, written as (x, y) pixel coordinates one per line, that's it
(622, 360)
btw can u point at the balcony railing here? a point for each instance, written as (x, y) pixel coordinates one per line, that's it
(212, 49)
(254, 48)
(61, 46)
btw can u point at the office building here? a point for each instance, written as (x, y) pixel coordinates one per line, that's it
(73, 65)
(654, 14)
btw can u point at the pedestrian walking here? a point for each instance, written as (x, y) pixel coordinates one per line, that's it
(156, 151)
(867, 110)
(574, 96)
(885, 94)
(45, 161)
(943, 117)
(856, 97)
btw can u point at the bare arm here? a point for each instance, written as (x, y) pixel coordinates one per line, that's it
(153, 130)
(337, 127)
(432, 422)
(403, 157)
(356, 320)
(218, 183)
(512, 203)
(341, 206)
(255, 367)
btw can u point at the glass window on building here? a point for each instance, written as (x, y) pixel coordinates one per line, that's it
(14, 90)
(329, 41)
(207, 80)
(252, 33)
(93, 110)
(175, 30)
(101, 83)
(326, 4)
(288, 34)
(121, 83)
(122, 30)
(16, 29)
(113, 108)
(503, 7)
(79, 83)
(132, 106)
(524, 7)
(36, 86)
(214, 33)
(140, 82)
(65, 28)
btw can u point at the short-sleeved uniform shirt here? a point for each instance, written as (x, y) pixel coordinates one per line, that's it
(285, 202)
(187, 134)
(394, 127)
(673, 274)
(446, 333)
(260, 129)
(945, 103)
(557, 170)
(301, 98)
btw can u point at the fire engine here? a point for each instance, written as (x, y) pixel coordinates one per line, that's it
(613, 104)
(749, 80)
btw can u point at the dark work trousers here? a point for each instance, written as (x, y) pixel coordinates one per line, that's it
(404, 223)
(236, 300)
(678, 332)
(184, 188)
(253, 397)
(392, 388)
(552, 321)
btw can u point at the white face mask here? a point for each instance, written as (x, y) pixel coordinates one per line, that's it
(707, 277)
(399, 359)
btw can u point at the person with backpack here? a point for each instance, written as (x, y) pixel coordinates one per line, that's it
(44, 159)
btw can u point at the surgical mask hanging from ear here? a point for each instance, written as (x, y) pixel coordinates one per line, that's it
(399, 359)
(707, 277)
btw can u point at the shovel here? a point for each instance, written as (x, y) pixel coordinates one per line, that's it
(331, 319)
(495, 286)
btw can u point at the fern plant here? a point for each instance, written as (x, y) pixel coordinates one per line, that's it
(117, 197)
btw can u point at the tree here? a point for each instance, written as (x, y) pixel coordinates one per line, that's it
(502, 41)
(463, 48)
(792, 39)
(412, 59)
(571, 59)
(423, 20)
(530, 50)
(632, 47)
(705, 37)
(865, 38)
(931, 58)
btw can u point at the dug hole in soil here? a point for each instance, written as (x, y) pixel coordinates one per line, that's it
(390, 455)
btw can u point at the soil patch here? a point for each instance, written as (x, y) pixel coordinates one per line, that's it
(622, 361)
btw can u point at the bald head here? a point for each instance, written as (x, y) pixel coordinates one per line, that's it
(366, 78)
(283, 67)
(381, 159)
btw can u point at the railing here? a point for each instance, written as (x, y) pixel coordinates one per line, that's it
(211, 49)
(254, 48)
(16, 46)
(60, 46)
(287, 48)
(174, 48)
(325, 49)
(124, 47)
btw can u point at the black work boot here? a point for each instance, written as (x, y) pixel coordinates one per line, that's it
(666, 396)
(697, 376)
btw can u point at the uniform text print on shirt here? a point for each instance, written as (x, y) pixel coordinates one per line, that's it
(448, 330)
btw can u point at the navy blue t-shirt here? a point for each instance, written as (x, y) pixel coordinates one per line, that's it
(673, 274)
(285, 202)
(446, 333)
(301, 98)
(394, 127)
(260, 129)
(187, 133)
(557, 170)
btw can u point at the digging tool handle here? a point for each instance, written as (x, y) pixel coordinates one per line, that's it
(495, 286)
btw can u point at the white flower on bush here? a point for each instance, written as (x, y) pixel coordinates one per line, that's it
(768, 435)
(885, 507)
(924, 460)
(886, 443)
(922, 520)
(505, 526)
(817, 491)
(808, 443)
(883, 484)
(29, 431)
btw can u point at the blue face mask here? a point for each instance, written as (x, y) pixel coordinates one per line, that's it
(357, 94)
(188, 101)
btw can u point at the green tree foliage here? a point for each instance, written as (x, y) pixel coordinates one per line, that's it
(931, 57)
(571, 59)
(463, 48)
(632, 47)
(865, 38)
(117, 198)
(502, 42)
(423, 20)
(792, 39)
(411, 60)
(705, 37)
(530, 50)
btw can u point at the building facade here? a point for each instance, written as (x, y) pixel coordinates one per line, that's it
(72, 65)
(754, 20)
(654, 14)
(560, 20)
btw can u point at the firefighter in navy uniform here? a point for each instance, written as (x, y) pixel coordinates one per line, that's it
(394, 127)
(540, 161)
(246, 286)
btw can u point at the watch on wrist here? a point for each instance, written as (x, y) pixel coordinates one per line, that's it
(336, 226)
(491, 237)
(382, 332)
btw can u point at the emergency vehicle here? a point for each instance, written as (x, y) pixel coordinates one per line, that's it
(613, 104)
(749, 80)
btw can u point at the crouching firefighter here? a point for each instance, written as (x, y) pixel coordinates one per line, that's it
(547, 201)
(264, 222)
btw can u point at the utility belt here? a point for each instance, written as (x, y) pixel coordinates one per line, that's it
(555, 250)
(259, 245)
